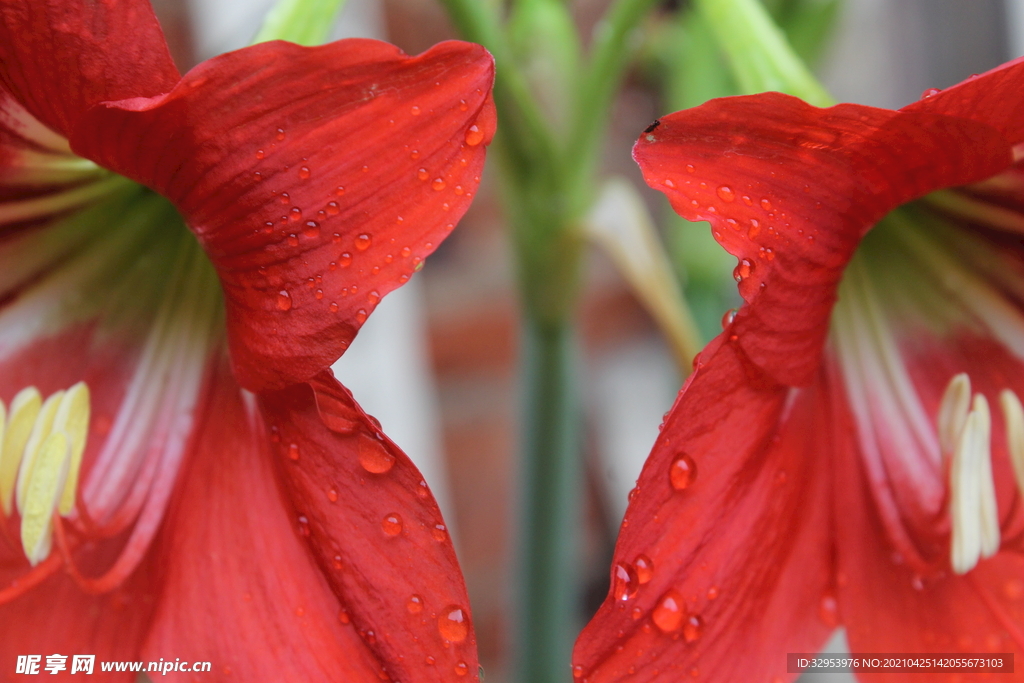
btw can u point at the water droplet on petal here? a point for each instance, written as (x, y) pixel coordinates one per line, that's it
(929, 92)
(690, 168)
(682, 472)
(344, 260)
(414, 604)
(373, 298)
(293, 451)
(728, 317)
(828, 610)
(280, 134)
(415, 111)
(438, 184)
(343, 617)
(742, 270)
(311, 229)
(260, 154)
(669, 183)
(726, 193)
(644, 569)
(669, 612)
(439, 532)
(577, 671)
(304, 172)
(336, 562)
(361, 316)
(624, 581)
(363, 241)
(766, 205)
(373, 456)
(463, 106)
(452, 624)
(474, 136)
(284, 300)
(392, 524)
(332, 495)
(294, 214)
(303, 525)
(693, 628)
(461, 669)
(422, 174)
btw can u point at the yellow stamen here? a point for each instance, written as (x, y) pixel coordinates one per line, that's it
(1014, 414)
(73, 420)
(40, 430)
(42, 493)
(972, 508)
(953, 412)
(22, 416)
(41, 449)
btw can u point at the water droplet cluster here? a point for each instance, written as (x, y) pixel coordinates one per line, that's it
(292, 229)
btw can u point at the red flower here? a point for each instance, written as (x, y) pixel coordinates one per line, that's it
(805, 478)
(249, 515)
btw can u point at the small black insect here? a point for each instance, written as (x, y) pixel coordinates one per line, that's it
(651, 127)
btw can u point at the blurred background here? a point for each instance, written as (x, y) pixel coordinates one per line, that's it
(436, 363)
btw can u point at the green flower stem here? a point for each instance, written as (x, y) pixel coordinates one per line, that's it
(548, 185)
(549, 591)
(758, 52)
(306, 22)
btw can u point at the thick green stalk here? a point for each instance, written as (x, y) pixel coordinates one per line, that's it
(549, 590)
(548, 180)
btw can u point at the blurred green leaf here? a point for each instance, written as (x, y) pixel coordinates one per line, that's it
(306, 22)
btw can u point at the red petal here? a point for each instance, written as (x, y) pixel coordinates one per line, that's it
(790, 189)
(240, 589)
(745, 544)
(60, 58)
(886, 607)
(57, 617)
(995, 98)
(254, 144)
(375, 531)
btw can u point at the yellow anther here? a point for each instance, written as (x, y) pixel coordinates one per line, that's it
(953, 412)
(41, 455)
(42, 493)
(20, 419)
(972, 508)
(73, 420)
(1013, 413)
(40, 430)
